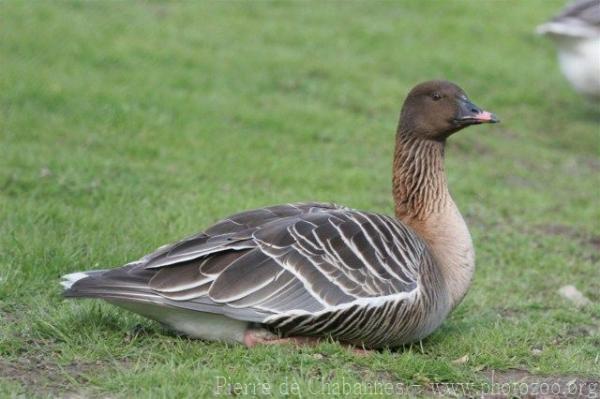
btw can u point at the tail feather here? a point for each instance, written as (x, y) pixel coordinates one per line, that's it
(106, 283)
(68, 280)
(128, 285)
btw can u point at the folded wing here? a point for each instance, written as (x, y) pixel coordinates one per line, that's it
(288, 259)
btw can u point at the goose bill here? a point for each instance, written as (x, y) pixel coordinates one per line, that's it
(471, 114)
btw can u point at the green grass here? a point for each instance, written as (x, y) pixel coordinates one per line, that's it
(127, 125)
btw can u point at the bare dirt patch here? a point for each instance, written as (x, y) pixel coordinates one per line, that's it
(39, 376)
(569, 232)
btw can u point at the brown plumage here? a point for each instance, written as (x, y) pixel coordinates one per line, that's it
(320, 270)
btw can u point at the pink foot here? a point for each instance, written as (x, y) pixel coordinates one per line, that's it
(362, 352)
(254, 337)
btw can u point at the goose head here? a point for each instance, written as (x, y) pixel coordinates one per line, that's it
(436, 109)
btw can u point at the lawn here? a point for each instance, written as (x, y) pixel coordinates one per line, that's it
(128, 125)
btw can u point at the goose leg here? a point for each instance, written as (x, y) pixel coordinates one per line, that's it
(262, 336)
(362, 352)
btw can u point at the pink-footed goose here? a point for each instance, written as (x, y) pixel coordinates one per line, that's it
(300, 272)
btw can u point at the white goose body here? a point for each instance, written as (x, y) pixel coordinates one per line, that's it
(313, 269)
(576, 34)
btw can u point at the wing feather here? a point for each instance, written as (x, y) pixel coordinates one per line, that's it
(286, 263)
(244, 276)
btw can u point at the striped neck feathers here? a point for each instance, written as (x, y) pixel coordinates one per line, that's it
(424, 203)
(419, 181)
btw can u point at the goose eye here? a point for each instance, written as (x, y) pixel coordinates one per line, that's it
(436, 96)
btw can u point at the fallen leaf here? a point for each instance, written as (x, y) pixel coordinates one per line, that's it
(461, 360)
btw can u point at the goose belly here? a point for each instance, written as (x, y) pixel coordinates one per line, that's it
(580, 63)
(205, 326)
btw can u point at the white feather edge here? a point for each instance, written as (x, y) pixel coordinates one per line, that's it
(377, 301)
(568, 27)
(69, 279)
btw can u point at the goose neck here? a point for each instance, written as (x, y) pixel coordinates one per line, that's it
(424, 203)
(419, 180)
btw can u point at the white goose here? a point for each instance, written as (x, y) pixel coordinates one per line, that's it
(576, 34)
(300, 272)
